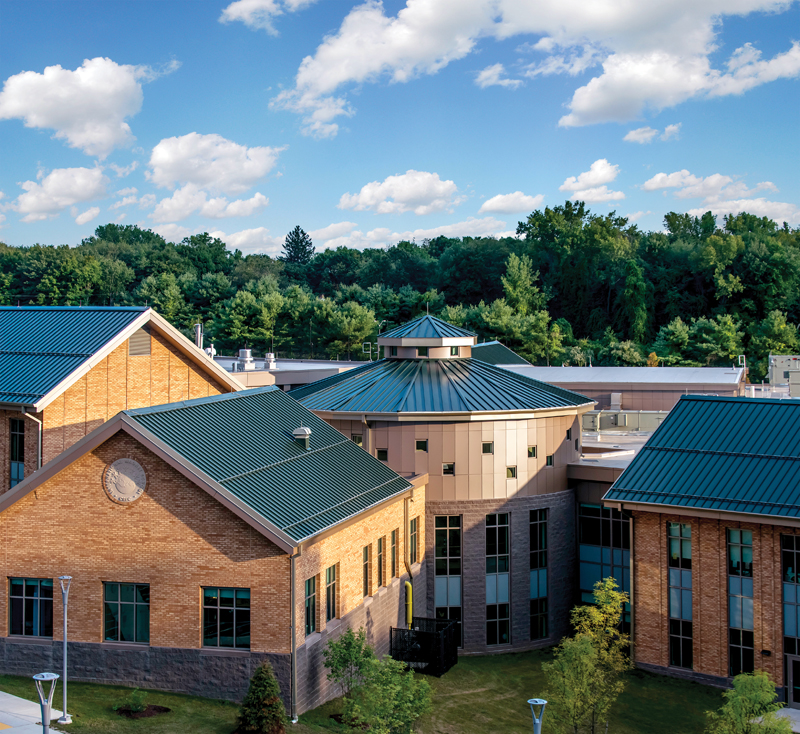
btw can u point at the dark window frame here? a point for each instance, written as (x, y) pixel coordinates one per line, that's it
(550, 460)
(357, 439)
(537, 547)
(380, 559)
(124, 607)
(382, 454)
(490, 445)
(16, 441)
(413, 527)
(366, 574)
(741, 641)
(240, 616)
(681, 597)
(422, 351)
(498, 561)
(447, 553)
(531, 452)
(330, 593)
(34, 609)
(511, 472)
(311, 605)
(424, 442)
(448, 469)
(393, 552)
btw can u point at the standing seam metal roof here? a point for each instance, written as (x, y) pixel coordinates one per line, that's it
(729, 454)
(426, 327)
(497, 353)
(244, 442)
(432, 386)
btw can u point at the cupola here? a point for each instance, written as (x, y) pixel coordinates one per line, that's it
(427, 338)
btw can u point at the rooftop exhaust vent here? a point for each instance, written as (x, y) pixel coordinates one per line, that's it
(246, 360)
(303, 436)
(269, 361)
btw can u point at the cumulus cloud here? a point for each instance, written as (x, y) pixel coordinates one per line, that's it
(123, 171)
(778, 210)
(641, 135)
(86, 107)
(494, 76)
(190, 199)
(171, 232)
(251, 241)
(636, 216)
(671, 131)
(61, 188)
(511, 203)
(590, 187)
(418, 191)
(125, 201)
(88, 215)
(209, 161)
(652, 55)
(259, 14)
(338, 229)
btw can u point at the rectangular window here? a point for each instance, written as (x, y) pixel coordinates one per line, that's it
(577, 444)
(498, 627)
(330, 593)
(358, 439)
(741, 655)
(381, 544)
(226, 617)
(17, 439)
(422, 351)
(511, 472)
(392, 351)
(447, 565)
(412, 541)
(421, 445)
(365, 554)
(453, 351)
(311, 605)
(790, 556)
(549, 460)
(569, 434)
(448, 470)
(393, 553)
(487, 447)
(531, 452)
(383, 454)
(680, 594)
(31, 607)
(126, 612)
(538, 573)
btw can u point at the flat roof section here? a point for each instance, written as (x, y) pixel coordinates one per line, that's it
(634, 375)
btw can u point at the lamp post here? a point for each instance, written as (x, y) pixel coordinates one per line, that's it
(537, 721)
(65, 582)
(45, 701)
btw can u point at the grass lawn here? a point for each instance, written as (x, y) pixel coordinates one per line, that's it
(489, 694)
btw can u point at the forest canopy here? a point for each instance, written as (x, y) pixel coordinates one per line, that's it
(571, 288)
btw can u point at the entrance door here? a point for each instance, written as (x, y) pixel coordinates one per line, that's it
(793, 680)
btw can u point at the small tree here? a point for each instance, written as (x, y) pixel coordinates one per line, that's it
(391, 699)
(262, 710)
(570, 681)
(347, 659)
(749, 708)
(298, 249)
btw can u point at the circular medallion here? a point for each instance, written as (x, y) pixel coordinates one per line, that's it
(124, 481)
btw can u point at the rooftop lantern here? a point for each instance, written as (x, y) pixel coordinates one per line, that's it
(427, 338)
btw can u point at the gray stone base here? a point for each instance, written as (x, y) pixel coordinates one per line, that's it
(707, 680)
(200, 672)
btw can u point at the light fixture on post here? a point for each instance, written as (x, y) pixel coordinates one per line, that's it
(65, 582)
(45, 701)
(537, 720)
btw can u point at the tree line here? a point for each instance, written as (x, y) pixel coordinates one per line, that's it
(572, 287)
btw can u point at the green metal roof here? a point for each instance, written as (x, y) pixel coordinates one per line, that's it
(244, 442)
(496, 353)
(432, 386)
(425, 327)
(40, 346)
(727, 454)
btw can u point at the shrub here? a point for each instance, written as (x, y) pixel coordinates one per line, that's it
(749, 708)
(347, 659)
(262, 710)
(134, 702)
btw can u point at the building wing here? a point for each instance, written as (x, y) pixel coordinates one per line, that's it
(497, 353)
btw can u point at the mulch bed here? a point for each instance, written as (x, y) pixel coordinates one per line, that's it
(151, 710)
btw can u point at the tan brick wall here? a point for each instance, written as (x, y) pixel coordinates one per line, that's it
(176, 537)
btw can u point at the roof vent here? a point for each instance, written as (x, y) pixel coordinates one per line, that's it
(269, 361)
(303, 436)
(246, 360)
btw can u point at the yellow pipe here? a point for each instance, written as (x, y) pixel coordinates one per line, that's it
(409, 604)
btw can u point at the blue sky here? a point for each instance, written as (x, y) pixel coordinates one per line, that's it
(366, 123)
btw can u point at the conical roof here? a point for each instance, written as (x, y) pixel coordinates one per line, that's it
(426, 327)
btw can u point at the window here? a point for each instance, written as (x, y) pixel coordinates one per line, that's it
(531, 452)
(741, 657)
(487, 447)
(680, 594)
(126, 612)
(447, 565)
(412, 541)
(365, 554)
(498, 627)
(786, 375)
(577, 444)
(549, 460)
(393, 553)
(392, 351)
(453, 351)
(381, 544)
(569, 434)
(422, 351)
(790, 556)
(383, 454)
(17, 436)
(32, 607)
(421, 445)
(538, 573)
(226, 617)
(448, 470)
(511, 472)
(330, 593)
(358, 439)
(311, 605)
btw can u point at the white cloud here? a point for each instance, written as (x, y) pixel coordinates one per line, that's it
(418, 191)
(127, 191)
(125, 201)
(88, 215)
(597, 194)
(511, 203)
(210, 162)
(171, 232)
(147, 201)
(641, 135)
(760, 207)
(2, 219)
(636, 216)
(653, 54)
(190, 199)
(338, 229)
(251, 241)
(671, 131)
(86, 107)
(494, 76)
(258, 14)
(600, 172)
(123, 171)
(61, 188)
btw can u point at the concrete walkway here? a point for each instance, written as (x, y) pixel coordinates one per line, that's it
(20, 716)
(793, 715)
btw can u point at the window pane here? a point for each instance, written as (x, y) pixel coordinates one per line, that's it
(127, 592)
(111, 614)
(226, 628)
(243, 628)
(32, 588)
(210, 621)
(46, 588)
(226, 598)
(31, 614)
(142, 623)
(126, 623)
(143, 593)
(46, 617)
(211, 597)
(243, 598)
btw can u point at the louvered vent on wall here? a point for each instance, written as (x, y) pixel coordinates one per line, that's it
(139, 343)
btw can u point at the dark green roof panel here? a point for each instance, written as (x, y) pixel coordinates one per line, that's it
(244, 442)
(496, 353)
(432, 386)
(426, 327)
(40, 346)
(726, 454)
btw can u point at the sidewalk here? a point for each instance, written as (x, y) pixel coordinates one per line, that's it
(20, 716)
(794, 717)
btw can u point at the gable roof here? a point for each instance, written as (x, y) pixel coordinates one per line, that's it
(497, 353)
(426, 327)
(239, 447)
(739, 455)
(432, 386)
(45, 349)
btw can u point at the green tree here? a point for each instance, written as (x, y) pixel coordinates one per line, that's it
(715, 341)
(772, 335)
(672, 342)
(247, 320)
(347, 327)
(749, 708)
(347, 659)
(571, 680)
(518, 283)
(262, 710)
(298, 249)
(163, 294)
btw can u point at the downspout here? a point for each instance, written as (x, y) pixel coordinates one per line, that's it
(33, 418)
(294, 641)
(409, 585)
(630, 593)
(367, 443)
